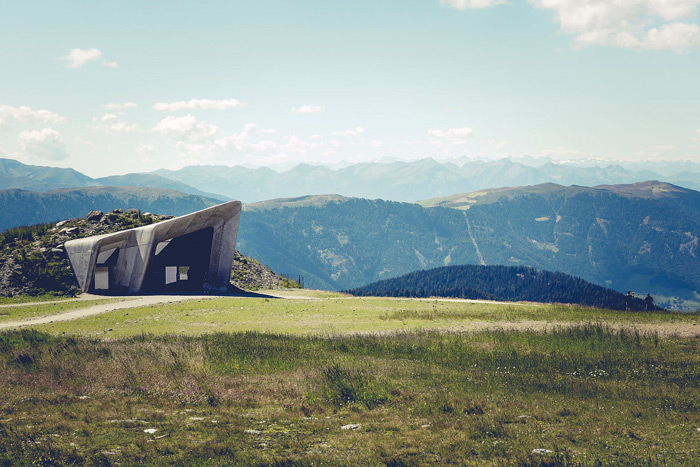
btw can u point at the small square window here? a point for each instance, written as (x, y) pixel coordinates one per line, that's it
(183, 272)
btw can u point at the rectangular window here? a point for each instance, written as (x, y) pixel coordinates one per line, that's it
(183, 272)
(170, 274)
(101, 278)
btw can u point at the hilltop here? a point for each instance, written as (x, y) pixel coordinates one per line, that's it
(33, 260)
(506, 283)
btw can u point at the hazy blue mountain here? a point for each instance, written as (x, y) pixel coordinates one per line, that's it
(394, 180)
(21, 207)
(14, 174)
(154, 181)
(407, 181)
(642, 236)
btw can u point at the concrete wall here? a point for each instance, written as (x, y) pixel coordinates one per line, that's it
(136, 248)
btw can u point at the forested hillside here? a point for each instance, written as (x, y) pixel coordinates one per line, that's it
(643, 237)
(509, 283)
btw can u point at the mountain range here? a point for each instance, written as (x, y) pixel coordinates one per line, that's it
(396, 180)
(642, 236)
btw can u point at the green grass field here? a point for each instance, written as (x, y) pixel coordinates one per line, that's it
(256, 381)
(21, 311)
(324, 313)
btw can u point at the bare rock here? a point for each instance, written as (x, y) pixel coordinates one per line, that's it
(541, 451)
(94, 215)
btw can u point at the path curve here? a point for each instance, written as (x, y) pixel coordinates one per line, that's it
(101, 308)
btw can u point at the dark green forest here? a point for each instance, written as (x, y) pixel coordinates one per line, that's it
(507, 283)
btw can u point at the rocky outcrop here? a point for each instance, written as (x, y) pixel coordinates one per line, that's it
(33, 260)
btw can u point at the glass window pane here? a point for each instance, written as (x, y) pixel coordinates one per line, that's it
(183, 272)
(170, 274)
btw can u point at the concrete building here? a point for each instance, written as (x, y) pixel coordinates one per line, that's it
(191, 253)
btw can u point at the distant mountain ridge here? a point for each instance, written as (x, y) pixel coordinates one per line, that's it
(14, 174)
(22, 207)
(642, 237)
(405, 181)
(397, 180)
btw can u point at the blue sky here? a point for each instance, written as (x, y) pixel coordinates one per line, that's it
(112, 87)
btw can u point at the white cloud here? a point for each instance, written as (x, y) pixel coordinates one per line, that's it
(111, 65)
(112, 124)
(187, 128)
(308, 109)
(643, 24)
(696, 137)
(350, 132)
(43, 144)
(452, 136)
(375, 143)
(24, 114)
(665, 147)
(471, 4)
(121, 106)
(198, 104)
(564, 153)
(144, 148)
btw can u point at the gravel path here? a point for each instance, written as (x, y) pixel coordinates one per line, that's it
(98, 309)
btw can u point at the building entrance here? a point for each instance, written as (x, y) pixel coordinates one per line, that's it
(180, 264)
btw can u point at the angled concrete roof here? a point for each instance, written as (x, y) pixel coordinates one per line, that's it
(137, 246)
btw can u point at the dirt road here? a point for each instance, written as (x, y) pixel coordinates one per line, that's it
(98, 309)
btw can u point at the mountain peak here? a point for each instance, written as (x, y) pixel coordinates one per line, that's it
(648, 189)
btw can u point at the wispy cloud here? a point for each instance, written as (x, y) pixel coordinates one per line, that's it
(187, 128)
(308, 109)
(79, 57)
(145, 148)
(198, 104)
(452, 136)
(471, 4)
(45, 144)
(642, 24)
(112, 124)
(121, 106)
(24, 114)
(350, 132)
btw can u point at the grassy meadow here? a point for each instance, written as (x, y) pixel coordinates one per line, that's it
(17, 312)
(263, 381)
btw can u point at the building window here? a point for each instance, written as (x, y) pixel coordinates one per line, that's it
(183, 270)
(170, 274)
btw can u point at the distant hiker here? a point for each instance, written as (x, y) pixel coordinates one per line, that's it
(649, 300)
(629, 300)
